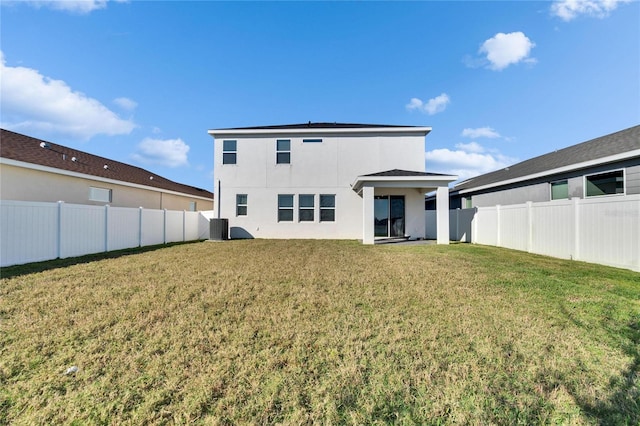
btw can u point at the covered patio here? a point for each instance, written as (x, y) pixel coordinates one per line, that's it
(393, 204)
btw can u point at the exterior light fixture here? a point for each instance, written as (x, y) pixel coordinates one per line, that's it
(44, 145)
(106, 167)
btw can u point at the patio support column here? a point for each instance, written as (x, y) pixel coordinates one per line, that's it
(367, 215)
(442, 214)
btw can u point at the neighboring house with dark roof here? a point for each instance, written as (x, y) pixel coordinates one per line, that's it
(35, 170)
(326, 180)
(605, 166)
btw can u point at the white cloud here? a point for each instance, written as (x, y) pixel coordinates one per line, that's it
(570, 9)
(467, 161)
(503, 50)
(480, 132)
(164, 152)
(74, 6)
(471, 147)
(126, 103)
(33, 102)
(432, 106)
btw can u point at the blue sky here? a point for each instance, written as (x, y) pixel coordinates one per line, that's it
(142, 81)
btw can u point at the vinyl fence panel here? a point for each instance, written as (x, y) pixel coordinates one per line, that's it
(514, 227)
(203, 224)
(174, 226)
(553, 229)
(191, 228)
(34, 231)
(123, 228)
(609, 231)
(28, 232)
(603, 230)
(82, 230)
(152, 228)
(486, 226)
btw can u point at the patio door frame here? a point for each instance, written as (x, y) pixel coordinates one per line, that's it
(395, 221)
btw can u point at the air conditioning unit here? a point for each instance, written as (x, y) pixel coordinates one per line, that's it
(219, 229)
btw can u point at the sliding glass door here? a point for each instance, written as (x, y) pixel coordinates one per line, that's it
(389, 215)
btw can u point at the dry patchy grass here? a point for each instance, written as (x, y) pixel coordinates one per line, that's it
(332, 332)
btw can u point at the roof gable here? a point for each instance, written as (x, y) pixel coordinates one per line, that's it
(18, 147)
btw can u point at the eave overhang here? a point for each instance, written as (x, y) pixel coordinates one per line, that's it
(577, 166)
(321, 131)
(38, 167)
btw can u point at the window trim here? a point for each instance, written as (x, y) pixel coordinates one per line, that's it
(291, 208)
(327, 208)
(239, 205)
(566, 181)
(302, 208)
(283, 151)
(233, 152)
(624, 183)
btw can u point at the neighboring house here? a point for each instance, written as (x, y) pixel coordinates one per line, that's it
(605, 166)
(35, 170)
(326, 180)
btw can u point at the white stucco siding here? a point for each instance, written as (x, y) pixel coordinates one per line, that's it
(261, 220)
(327, 167)
(336, 161)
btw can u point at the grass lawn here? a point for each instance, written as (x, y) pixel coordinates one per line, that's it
(330, 332)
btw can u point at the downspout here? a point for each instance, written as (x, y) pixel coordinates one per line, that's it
(218, 197)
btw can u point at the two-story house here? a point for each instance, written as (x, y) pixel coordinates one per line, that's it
(326, 180)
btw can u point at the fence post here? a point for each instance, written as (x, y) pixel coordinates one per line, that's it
(498, 224)
(140, 227)
(164, 227)
(184, 225)
(474, 225)
(529, 226)
(106, 227)
(59, 236)
(457, 237)
(576, 228)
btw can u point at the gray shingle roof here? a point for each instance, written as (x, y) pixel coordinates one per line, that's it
(312, 125)
(604, 146)
(16, 146)
(402, 173)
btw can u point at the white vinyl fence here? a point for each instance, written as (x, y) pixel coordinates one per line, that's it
(34, 231)
(598, 230)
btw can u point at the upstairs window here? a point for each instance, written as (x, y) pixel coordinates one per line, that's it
(285, 208)
(327, 208)
(311, 140)
(193, 206)
(229, 152)
(241, 204)
(560, 190)
(610, 183)
(102, 195)
(306, 207)
(283, 151)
